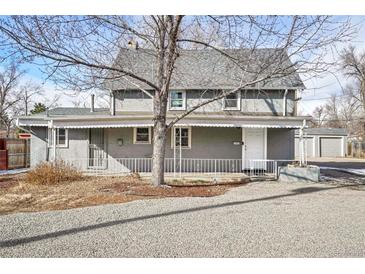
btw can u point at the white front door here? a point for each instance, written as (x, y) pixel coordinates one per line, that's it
(254, 145)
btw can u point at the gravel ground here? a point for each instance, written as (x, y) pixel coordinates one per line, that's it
(263, 219)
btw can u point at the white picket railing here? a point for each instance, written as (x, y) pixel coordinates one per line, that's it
(253, 168)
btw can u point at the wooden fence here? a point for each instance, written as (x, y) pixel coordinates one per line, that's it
(14, 153)
(356, 149)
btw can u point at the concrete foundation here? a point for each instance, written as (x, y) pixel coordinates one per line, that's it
(309, 174)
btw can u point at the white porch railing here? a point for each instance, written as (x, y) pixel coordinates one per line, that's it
(177, 167)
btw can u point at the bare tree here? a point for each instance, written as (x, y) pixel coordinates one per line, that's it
(319, 115)
(10, 94)
(340, 111)
(28, 91)
(353, 65)
(80, 52)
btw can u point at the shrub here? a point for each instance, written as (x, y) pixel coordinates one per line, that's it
(53, 173)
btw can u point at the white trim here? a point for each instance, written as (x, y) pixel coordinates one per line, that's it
(238, 108)
(243, 148)
(50, 133)
(265, 143)
(227, 125)
(173, 139)
(140, 142)
(183, 100)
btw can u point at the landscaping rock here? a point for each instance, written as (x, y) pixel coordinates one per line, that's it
(309, 174)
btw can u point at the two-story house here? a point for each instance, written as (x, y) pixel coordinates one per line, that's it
(255, 123)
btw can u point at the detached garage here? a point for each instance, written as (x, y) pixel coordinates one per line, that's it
(323, 142)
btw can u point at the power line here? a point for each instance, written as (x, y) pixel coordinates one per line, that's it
(322, 98)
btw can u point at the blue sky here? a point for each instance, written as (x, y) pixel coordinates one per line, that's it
(319, 87)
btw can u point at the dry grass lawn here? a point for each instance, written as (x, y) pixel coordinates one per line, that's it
(16, 195)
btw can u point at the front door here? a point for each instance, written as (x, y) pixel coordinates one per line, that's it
(97, 153)
(254, 146)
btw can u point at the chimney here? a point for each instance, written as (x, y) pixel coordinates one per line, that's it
(92, 103)
(133, 44)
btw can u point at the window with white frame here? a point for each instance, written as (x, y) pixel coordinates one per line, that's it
(182, 134)
(142, 135)
(232, 101)
(61, 137)
(177, 99)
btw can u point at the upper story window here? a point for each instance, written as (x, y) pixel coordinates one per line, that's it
(61, 137)
(142, 135)
(177, 100)
(232, 101)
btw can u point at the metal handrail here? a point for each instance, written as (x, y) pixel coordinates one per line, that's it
(108, 165)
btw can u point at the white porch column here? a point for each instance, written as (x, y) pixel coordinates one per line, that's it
(52, 139)
(302, 149)
(243, 139)
(54, 143)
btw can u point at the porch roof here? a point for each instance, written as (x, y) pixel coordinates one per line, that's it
(139, 121)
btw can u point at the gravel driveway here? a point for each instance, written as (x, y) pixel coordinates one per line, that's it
(264, 219)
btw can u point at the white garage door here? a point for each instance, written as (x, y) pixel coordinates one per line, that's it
(310, 149)
(330, 146)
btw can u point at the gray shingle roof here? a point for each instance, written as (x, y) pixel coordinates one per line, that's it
(62, 111)
(326, 131)
(209, 69)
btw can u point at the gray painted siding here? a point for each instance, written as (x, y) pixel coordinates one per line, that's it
(77, 145)
(205, 143)
(208, 143)
(132, 100)
(268, 102)
(128, 149)
(38, 146)
(211, 143)
(280, 144)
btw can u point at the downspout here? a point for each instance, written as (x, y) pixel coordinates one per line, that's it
(53, 136)
(92, 103)
(284, 102)
(112, 103)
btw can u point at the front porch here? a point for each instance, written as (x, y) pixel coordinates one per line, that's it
(242, 145)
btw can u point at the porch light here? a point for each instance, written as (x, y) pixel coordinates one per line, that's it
(120, 141)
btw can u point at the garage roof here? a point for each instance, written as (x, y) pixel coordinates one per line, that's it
(325, 131)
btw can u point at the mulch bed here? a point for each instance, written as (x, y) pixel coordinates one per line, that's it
(18, 196)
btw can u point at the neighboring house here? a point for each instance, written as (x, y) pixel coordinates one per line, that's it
(323, 142)
(255, 123)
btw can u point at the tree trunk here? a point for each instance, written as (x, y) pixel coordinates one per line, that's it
(158, 157)
(8, 130)
(159, 139)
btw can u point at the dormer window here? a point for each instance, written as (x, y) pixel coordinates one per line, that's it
(232, 101)
(177, 100)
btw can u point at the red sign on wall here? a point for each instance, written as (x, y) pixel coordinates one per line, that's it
(24, 135)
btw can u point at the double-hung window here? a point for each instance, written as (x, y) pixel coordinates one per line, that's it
(232, 101)
(182, 137)
(61, 137)
(177, 100)
(142, 135)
